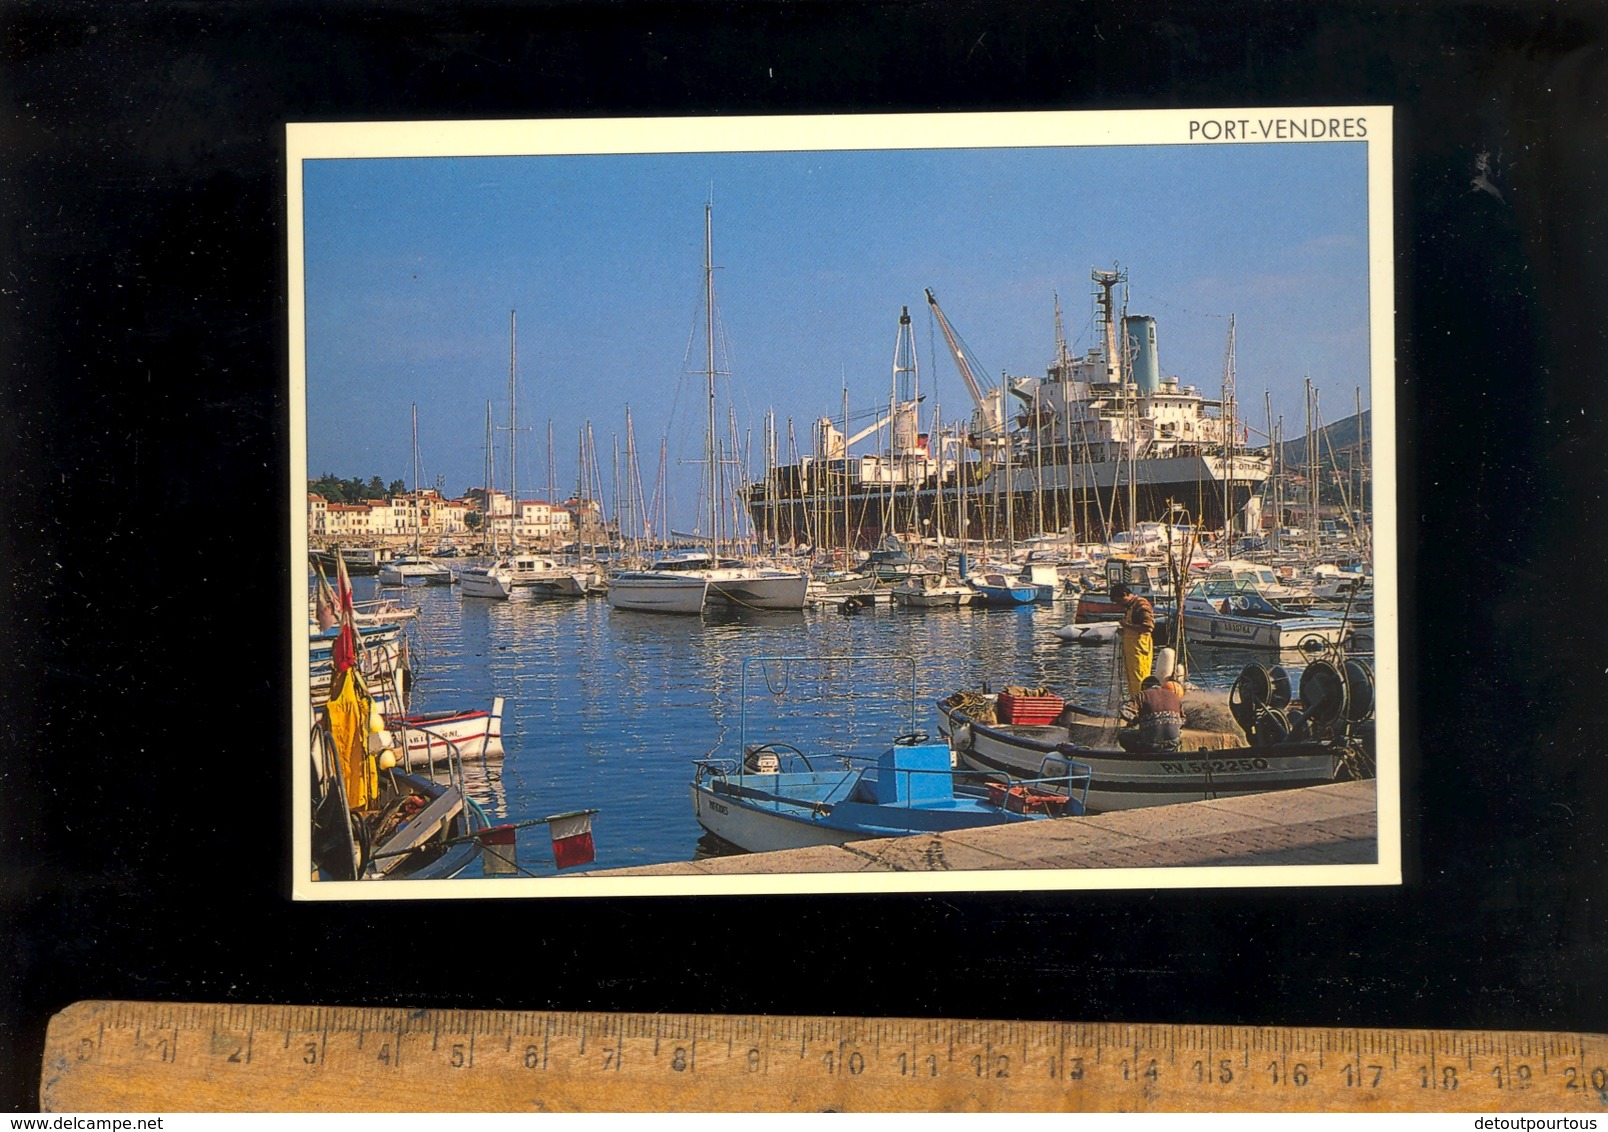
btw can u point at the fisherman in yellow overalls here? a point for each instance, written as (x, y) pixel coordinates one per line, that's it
(1138, 625)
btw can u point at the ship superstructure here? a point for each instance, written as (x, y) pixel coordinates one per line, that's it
(1101, 442)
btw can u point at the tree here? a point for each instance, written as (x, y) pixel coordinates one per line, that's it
(472, 520)
(397, 488)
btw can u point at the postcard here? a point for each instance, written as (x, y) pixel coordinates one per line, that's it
(844, 503)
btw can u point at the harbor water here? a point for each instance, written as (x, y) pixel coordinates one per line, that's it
(608, 710)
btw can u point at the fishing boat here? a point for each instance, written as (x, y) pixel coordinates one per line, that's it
(409, 822)
(1224, 612)
(987, 735)
(383, 657)
(377, 814)
(776, 796)
(1141, 578)
(439, 736)
(909, 788)
(684, 583)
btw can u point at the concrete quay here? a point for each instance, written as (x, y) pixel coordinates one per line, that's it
(1321, 825)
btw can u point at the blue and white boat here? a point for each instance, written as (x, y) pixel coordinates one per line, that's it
(383, 656)
(778, 797)
(995, 588)
(788, 802)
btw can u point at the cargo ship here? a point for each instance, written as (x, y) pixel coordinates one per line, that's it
(1102, 442)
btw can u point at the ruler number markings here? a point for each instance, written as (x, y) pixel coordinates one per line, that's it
(1046, 1060)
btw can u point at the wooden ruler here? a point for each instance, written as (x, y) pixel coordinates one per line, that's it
(150, 1057)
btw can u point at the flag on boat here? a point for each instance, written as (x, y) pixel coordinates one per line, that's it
(572, 838)
(345, 648)
(499, 850)
(348, 712)
(328, 609)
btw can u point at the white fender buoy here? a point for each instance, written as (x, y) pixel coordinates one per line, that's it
(1069, 632)
(1166, 661)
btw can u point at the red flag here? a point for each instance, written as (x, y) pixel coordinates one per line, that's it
(345, 650)
(572, 839)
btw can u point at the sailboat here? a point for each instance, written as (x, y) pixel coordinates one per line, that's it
(686, 582)
(415, 568)
(497, 578)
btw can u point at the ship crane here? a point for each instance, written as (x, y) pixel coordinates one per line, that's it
(988, 421)
(832, 445)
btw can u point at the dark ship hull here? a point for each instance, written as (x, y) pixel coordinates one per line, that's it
(807, 505)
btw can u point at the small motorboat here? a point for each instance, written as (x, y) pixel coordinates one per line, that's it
(778, 798)
(1228, 613)
(413, 570)
(931, 591)
(439, 736)
(999, 589)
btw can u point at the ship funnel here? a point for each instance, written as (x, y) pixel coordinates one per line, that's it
(1141, 332)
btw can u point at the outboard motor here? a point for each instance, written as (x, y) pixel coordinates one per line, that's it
(761, 760)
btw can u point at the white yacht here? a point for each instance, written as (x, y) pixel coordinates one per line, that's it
(495, 581)
(413, 570)
(684, 583)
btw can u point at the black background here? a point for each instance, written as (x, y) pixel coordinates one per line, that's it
(143, 779)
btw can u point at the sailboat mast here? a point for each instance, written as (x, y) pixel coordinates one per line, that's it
(486, 521)
(1063, 365)
(1311, 473)
(846, 539)
(709, 370)
(1272, 465)
(415, 507)
(513, 431)
(1229, 409)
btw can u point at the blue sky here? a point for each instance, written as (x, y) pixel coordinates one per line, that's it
(413, 264)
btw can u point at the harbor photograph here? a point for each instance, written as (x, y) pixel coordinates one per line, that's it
(860, 503)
